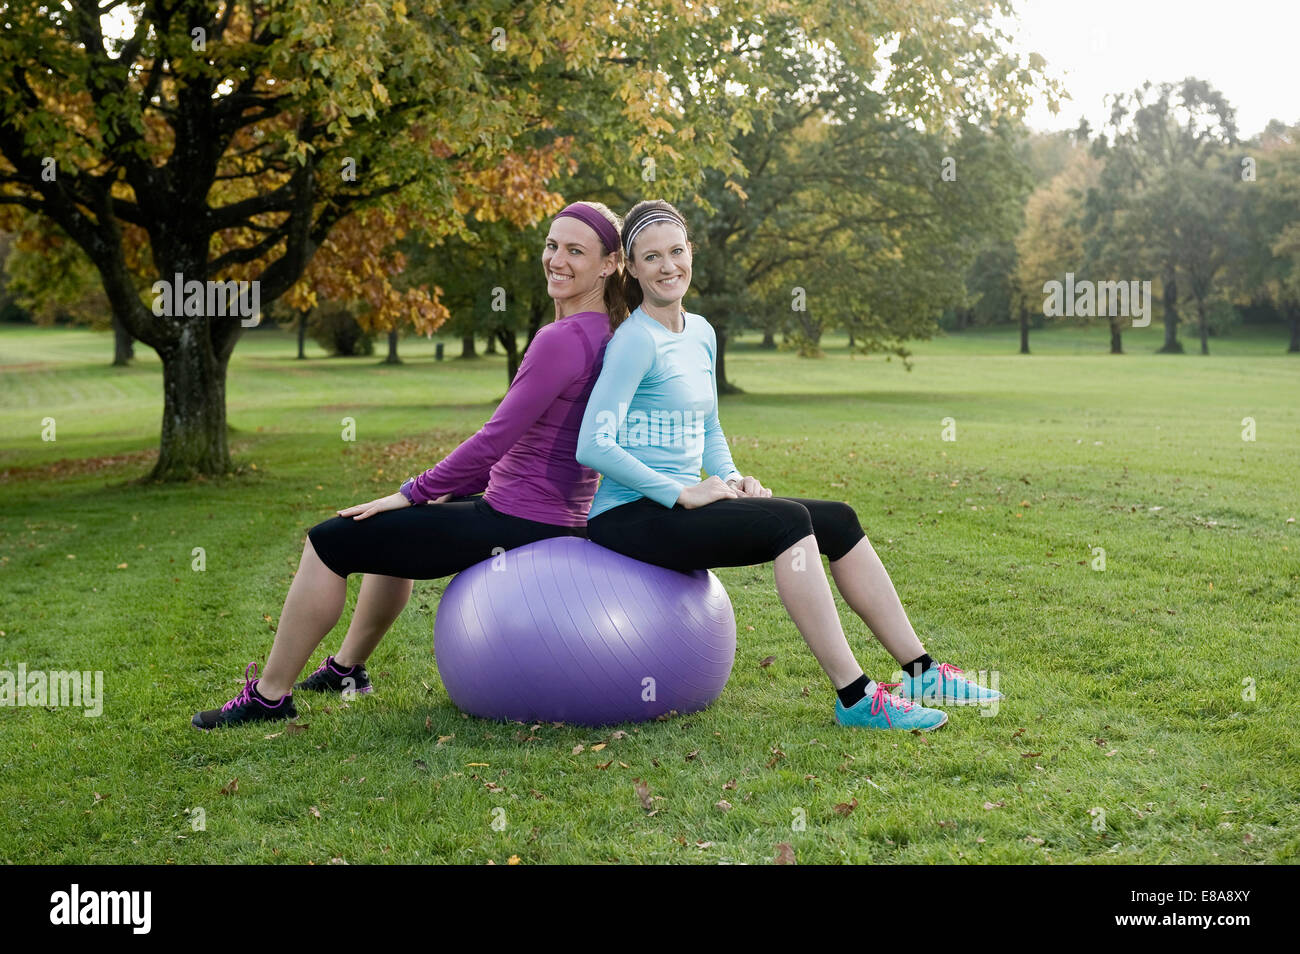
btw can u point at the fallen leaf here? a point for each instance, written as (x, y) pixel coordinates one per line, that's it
(296, 728)
(479, 764)
(784, 854)
(1111, 752)
(314, 811)
(767, 661)
(1018, 733)
(578, 748)
(446, 738)
(703, 844)
(1030, 755)
(620, 734)
(723, 805)
(989, 806)
(513, 860)
(1033, 841)
(230, 787)
(604, 765)
(536, 794)
(845, 809)
(729, 786)
(691, 754)
(598, 746)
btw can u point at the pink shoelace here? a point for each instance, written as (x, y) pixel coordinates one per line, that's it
(246, 694)
(884, 697)
(948, 671)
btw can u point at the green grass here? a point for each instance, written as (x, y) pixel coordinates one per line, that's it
(1125, 685)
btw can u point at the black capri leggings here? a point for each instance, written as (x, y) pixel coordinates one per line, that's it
(742, 532)
(428, 541)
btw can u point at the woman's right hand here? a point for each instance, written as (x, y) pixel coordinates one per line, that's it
(395, 501)
(706, 492)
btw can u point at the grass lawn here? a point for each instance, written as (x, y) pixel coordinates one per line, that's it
(1147, 721)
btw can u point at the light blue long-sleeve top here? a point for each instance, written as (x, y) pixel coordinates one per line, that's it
(652, 419)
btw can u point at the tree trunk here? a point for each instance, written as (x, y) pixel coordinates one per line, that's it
(302, 334)
(724, 386)
(511, 345)
(1024, 331)
(123, 349)
(537, 317)
(1295, 328)
(853, 342)
(769, 341)
(1116, 347)
(491, 346)
(467, 349)
(392, 347)
(194, 409)
(1204, 326)
(1172, 345)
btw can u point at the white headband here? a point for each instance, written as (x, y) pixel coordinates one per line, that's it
(651, 219)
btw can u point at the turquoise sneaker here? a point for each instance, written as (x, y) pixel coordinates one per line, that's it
(941, 685)
(883, 710)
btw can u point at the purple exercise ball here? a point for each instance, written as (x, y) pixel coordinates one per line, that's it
(565, 630)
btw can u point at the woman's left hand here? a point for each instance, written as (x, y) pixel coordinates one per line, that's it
(748, 487)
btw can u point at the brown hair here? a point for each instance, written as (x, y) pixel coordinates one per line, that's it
(615, 305)
(631, 291)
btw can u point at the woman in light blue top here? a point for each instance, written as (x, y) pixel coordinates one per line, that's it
(651, 423)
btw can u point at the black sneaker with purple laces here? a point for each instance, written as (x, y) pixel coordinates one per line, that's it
(248, 706)
(331, 677)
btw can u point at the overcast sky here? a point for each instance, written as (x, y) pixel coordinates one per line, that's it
(1247, 49)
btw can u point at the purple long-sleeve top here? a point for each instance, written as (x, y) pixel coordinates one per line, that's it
(525, 456)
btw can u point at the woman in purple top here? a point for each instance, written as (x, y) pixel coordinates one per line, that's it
(515, 482)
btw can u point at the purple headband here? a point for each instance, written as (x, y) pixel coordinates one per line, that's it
(599, 224)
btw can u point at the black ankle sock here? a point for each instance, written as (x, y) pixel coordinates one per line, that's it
(918, 665)
(854, 692)
(258, 692)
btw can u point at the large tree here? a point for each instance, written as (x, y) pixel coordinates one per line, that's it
(1269, 271)
(1160, 152)
(225, 141)
(866, 166)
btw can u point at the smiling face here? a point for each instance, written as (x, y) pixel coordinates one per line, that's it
(660, 261)
(573, 260)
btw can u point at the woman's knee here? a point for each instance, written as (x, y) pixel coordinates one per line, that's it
(839, 514)
(838, 528)
(793, 522)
